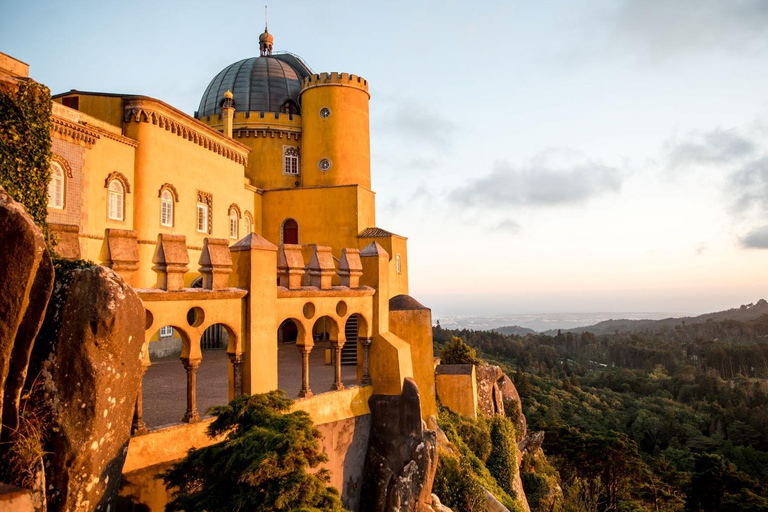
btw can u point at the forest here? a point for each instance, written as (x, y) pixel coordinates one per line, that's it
(672, 419)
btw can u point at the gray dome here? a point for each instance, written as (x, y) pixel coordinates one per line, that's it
(259, 84)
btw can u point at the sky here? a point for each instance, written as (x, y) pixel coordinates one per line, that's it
(540, 157)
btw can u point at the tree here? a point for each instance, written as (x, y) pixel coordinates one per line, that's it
(502, 461)
(458, 352)
(261, 465)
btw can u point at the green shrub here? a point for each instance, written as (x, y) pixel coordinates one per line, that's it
(260, 466)
(456, 486)
(458, 352)
(25, 146)
(502, 462)
(536, 489)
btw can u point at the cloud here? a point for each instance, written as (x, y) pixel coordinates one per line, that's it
(664, 28)
(700, 248)
(553, 177)
(756, 239)
(748, 187)
(416, 122)
(716, 147)
(509, 226)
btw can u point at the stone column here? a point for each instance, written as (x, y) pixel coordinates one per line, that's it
(321, 267)
(336, 346)
(138, 427)
(123, 253)
(191, 365)
(305, 391)
(171, 260)
(366, 343)
(215, 263)
(237, 372)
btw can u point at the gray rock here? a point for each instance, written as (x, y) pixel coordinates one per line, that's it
(490, 402)
(88, 353)
(27, 278)
(402, 455)
(513, 407)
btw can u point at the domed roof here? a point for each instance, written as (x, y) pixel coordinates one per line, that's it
(259, 84)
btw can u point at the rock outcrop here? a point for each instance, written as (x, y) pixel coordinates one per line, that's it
(88, 352)
(27, 281)
(490, 402)
(513, 406)
(402, 455)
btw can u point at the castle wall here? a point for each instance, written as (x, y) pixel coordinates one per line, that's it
(456, 387)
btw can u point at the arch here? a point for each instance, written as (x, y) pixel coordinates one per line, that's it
(219, 335)
(197, 282)
(326, 328)
(290, 331)
(362, 325)
(56, 187)
(170, 188)
(120, 177)
(289, 107)
(234, 221)
(289, 231)
(116, 200)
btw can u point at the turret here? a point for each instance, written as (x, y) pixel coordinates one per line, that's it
(228, 112)
(335, 147)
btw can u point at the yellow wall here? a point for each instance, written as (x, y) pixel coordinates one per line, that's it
(326, 215)
(105, 107)
(343, 137)
(164, 157)
(458, 391)
(394, 245)
(415, 328)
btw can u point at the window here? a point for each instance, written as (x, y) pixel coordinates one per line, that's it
(166, 332)
(398, 264)
(71, 102)
(202, 218)
(166, 208)
(290, 160)
(248, 223)
(290, 232)
(56, 187)
(233, 224)
(324, 164)
(116, 200)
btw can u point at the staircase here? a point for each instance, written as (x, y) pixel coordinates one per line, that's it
(349, 351)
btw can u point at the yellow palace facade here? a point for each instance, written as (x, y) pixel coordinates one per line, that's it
(274, 149)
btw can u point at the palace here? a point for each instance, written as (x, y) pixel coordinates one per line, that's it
(266, 194)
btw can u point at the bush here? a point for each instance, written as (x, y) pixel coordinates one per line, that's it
(25, 146)
(260, 466)
(502, 462)
(458, 352)
(456, 486)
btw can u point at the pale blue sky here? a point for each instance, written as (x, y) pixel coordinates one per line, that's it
(540, 156)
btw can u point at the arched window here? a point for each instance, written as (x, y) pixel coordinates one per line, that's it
(290, 232)
(166, 208)
(248, 223)
(116, 200)
(290, 107)
(56, 187)
(233, 227)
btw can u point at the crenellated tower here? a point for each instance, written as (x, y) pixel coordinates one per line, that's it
(336, 147)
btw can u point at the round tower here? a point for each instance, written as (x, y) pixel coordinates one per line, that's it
(336, 145)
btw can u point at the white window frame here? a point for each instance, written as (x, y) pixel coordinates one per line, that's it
(204, 209)
(248, 225)
(233, 224)
(166, 331)
(56, 187)
(116, 201)
(398, 264)
(291, 160)
(166, 209)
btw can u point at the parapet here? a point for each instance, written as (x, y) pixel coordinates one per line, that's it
(335, 79)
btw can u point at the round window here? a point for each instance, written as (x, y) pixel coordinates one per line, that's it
(325, 112)
(324, 164)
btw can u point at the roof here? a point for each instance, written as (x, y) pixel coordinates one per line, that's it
(375, 233)
(259, 84)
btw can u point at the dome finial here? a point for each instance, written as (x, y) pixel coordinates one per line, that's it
(265, 39)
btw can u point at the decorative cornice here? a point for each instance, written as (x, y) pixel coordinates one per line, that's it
(145, 110)
(233, 206)
(76, 131)
(63, 163)
(171, 189)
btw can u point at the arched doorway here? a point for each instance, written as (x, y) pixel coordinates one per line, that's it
(290, 234)
(213, 372)
(164, 386)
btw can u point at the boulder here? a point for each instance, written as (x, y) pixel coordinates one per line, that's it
(88, 353)
(437, 506)
(402, 455)
(513, 407)
(490, 402)
(27, 280)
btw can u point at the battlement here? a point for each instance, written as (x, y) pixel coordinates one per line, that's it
(336, 79)
(247, 117)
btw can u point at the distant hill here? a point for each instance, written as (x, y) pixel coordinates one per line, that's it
(514, 329)
(743, 313)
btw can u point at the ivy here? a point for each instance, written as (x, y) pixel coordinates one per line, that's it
(25, 146)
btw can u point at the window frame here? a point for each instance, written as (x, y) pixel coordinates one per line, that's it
(204, 208)
(291, 163)
(166, 203)
(57, 176)
(398, 264)
(234, 227)
(119, 201)
(164, 331)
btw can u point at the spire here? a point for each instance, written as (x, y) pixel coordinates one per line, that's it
(265, 39)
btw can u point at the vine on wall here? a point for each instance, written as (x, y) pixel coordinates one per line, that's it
(25, 146)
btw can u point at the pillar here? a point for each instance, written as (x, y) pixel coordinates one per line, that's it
(350, 268)
(191, 366)
(138, 426)
(171, 260)
(321, 267)
(337, 345)
(305, 392)
(237, 373)
(215, 263)
(290, 266)
(366, 344)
